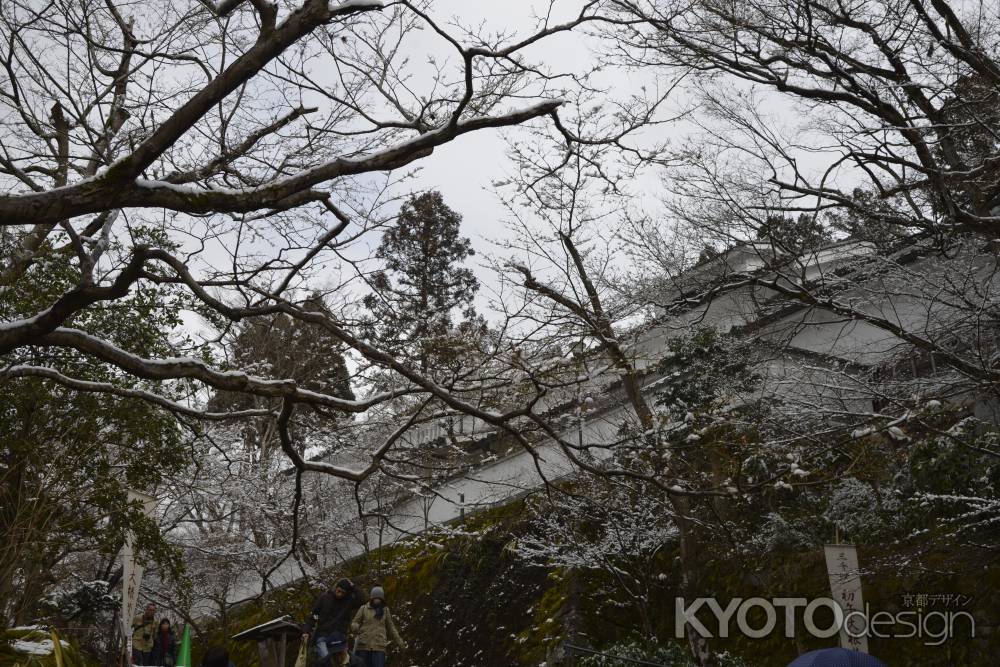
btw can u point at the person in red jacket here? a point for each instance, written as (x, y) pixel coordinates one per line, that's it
(164, 645)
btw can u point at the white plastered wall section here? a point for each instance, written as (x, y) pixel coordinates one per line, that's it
(809, 343)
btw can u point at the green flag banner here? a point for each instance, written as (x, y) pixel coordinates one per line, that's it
(184, 656)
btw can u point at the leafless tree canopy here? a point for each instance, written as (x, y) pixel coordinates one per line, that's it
(232, 150)
(902, 93)
(834, 181)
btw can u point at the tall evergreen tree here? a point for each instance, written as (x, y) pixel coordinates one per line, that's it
(424, 281)
(282, 347)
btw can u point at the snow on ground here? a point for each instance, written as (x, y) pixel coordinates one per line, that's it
(35, 641)
(43, 647)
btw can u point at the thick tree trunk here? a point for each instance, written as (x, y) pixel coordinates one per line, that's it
(690, 578)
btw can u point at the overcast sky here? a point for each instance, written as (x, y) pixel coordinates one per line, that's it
(463, 170)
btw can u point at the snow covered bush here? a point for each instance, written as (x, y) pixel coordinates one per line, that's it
(83, 603)
(668, 655)
(32, 646)
(859, 511)
(777, 533)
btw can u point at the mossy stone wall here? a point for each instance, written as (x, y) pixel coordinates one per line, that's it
(466, 599)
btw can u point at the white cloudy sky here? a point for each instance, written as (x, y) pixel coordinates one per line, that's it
(464, 170)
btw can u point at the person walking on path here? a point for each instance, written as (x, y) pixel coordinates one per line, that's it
(164, 645)
(143, 631)
(329, 622)
(217, 656)
(373, 627)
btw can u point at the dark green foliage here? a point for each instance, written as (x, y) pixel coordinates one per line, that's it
(68, 457)
(873, 218)
(281, 347)
(702, 370)
(973, 143)
(287, 348)
(424, 281)
(83, 603)
(957, 462)
(941, 483)
(709, 416)
(794, 234)
(669, 655)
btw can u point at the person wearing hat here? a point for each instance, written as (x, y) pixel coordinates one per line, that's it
(329, 621)
(143, 633)
(373, 627)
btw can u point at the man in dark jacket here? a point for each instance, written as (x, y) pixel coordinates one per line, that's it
(330, 620)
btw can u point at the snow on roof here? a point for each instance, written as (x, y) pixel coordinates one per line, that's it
(277, 626)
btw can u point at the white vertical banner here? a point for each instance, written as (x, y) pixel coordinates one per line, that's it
(132, 573)
(845, 584)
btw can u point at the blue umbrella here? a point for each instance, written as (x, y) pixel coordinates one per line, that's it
(836, 657)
